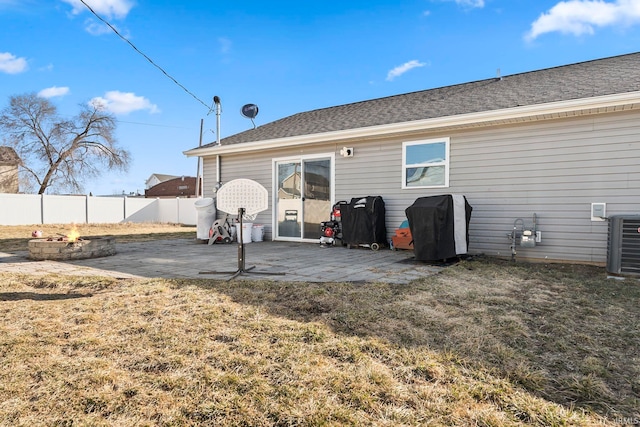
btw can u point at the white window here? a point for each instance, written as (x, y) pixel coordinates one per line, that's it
(425, 164)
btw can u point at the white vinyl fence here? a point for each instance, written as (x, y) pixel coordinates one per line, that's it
(25, 209)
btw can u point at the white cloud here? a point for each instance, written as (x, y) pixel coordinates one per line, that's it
(401, 69)
(466, 4)
(96, 28)
(123, 103)
(10, 64)
(106, 8)
(53, 91)
(470, 3)
(580, 17)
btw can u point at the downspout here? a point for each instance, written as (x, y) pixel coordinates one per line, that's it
(218, 174)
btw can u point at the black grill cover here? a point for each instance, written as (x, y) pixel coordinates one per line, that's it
(363, 221)
(439, 226)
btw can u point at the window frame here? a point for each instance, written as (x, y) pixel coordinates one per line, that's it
(445, 163)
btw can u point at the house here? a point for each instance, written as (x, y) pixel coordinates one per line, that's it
(184, 186)
(157, 178)
(9, 162)
(541, 146)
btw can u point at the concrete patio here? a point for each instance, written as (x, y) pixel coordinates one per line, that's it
(187, 258)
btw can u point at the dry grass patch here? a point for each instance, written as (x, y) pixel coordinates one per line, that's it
(101, 351)
(16, 237)
(565, 333)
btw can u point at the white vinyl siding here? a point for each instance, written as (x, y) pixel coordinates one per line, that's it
(554, 168)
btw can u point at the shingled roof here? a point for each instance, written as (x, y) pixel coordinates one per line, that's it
(608, 76)
(8, 156)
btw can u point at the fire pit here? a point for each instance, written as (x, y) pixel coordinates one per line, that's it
(64, 248)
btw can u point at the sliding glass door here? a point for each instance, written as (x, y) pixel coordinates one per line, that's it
(303, 196)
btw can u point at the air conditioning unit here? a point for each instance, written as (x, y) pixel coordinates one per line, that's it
(623, 251)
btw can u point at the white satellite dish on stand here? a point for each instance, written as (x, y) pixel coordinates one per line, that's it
(248, 198)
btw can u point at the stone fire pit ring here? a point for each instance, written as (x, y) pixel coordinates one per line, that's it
(64, 250)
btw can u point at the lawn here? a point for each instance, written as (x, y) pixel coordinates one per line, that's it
(16, 238)
(486, 342)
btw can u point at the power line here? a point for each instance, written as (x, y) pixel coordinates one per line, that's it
(140, 123)
(209, 109)
(152, 124)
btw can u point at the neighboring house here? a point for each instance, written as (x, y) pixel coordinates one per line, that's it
(9, 162)
(184, 186)
(157, 178)
(544, 144)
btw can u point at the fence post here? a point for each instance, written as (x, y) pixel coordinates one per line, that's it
(42, 208)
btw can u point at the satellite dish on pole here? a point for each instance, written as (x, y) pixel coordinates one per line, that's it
(250, 111)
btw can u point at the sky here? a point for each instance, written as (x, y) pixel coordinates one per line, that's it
(159, 63)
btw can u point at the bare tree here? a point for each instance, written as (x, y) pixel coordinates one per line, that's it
(59, 154)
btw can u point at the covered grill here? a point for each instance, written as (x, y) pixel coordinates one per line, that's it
(363, 222)
(439, 226)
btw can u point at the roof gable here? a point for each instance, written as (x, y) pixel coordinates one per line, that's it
(161, 177)
(615, 75)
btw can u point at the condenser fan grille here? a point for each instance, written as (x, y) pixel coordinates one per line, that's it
(623, 255)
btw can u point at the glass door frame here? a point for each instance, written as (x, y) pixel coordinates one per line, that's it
(300, 158)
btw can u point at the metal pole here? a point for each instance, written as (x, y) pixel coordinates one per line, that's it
(199, 173)
(240, 241)
(216, 100)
